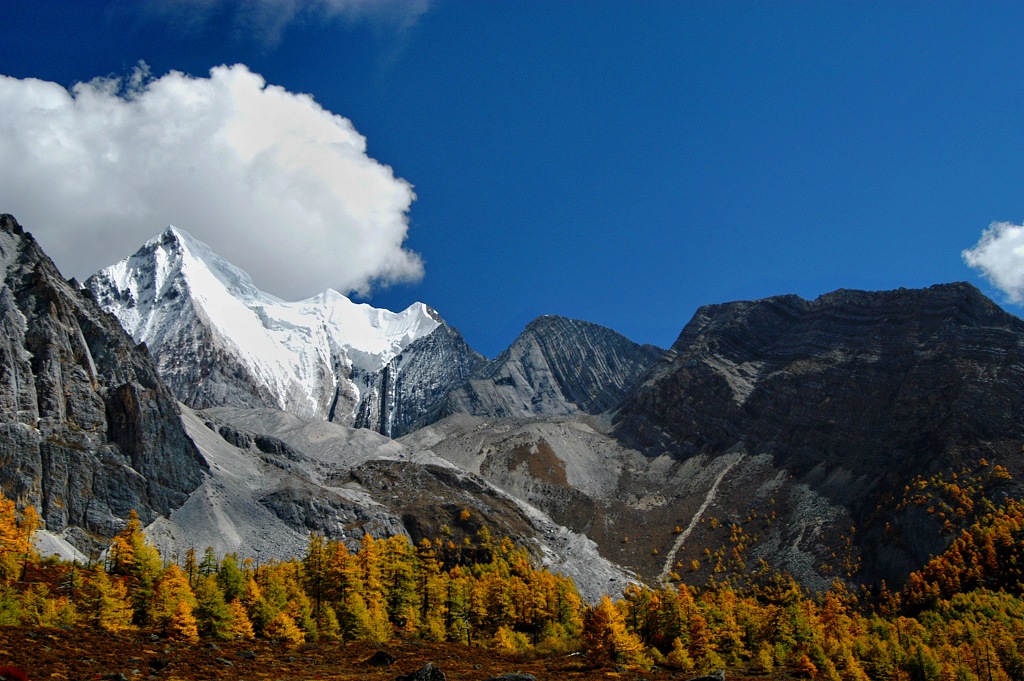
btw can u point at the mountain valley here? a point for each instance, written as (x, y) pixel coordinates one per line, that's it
(851, 436)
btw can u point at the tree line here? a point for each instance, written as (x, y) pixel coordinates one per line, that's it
(959, 618)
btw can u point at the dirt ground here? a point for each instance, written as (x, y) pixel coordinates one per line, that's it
(87, 655)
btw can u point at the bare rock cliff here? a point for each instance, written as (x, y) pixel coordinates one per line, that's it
(87, 429)
(853, 394)
(556, 367)
(411, 390)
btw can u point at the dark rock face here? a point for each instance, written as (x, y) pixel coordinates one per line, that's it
(853, 394)
(557, 366)
(411, 390)
(89, 431)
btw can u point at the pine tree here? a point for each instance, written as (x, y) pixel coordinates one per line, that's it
(457, 606)
(283, 628)
(209, 565)
(342, 577)
(230, 577)
(36, 606)
(376, 625)
(213, 615)
(132, 555)
(327, 626)
(183, 623)
(508, 641)
(700, 636)
(192, 567)
(671, 620)
(108, 604)
(10, 536)
(241, 626)
(300, 609)
(40, 607)
(315, 564)
(398, 577)
(679, 657)
(261, 612)
(16, 549)
(10, 606)
(170, 590)
(605, 635)
(432, 593)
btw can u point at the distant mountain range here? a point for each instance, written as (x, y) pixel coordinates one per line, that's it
(849, 436)
(219, 341)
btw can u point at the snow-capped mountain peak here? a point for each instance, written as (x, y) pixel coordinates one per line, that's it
(198, 261)
(220, 340)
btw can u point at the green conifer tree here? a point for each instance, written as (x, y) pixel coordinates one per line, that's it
(213, 615)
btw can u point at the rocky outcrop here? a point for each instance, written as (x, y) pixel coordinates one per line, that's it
(411, 389)
(557, 366)
(852, 394)
(88, 429)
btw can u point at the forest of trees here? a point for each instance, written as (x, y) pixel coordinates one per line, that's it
(960, 618)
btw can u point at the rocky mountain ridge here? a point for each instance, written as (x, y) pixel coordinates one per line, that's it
(220, 341)
(854, 395)
(829, 438)
(555, 367)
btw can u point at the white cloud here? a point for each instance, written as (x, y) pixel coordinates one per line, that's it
(999, 257)
(271, 180)
(267, 20)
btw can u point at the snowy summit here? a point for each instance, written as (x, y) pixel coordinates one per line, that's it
(315, 357)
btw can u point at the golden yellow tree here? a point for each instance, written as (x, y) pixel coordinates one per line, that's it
(283, 628)
(606, 637)
(15, 537)
(241, 626)
(173, 604)
(108, 604)
(132, 555)
(183, 623)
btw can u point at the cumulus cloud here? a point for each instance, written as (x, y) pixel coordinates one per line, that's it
(999, 257)
(266, 20)
(270, 179)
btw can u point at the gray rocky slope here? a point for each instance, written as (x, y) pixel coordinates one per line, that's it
(88, 430)
(557, 366)
(634, 505)
(275, 477)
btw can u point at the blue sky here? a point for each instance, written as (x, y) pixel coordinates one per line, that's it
(618, 162)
